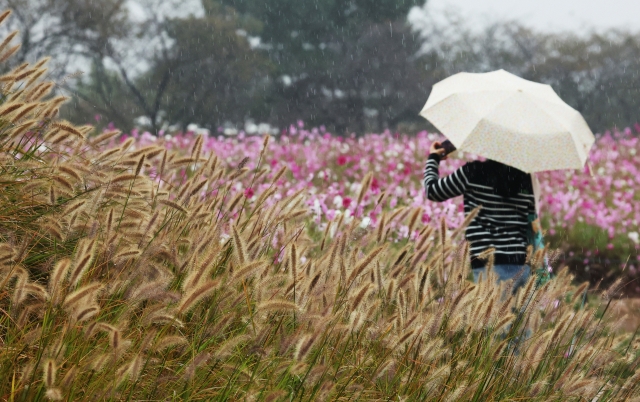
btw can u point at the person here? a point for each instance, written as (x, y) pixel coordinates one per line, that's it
(507, 199)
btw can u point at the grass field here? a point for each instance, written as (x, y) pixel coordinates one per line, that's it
(132, 272)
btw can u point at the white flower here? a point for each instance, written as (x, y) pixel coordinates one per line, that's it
(337, 201)
(403, 232)
(316, 207)
(147, 136)
(347, 216)
(634, 236)
(365, 222)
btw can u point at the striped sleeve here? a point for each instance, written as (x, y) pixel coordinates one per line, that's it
(441, 189)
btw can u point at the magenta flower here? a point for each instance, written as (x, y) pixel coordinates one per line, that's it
(571, 201)
(375, 185)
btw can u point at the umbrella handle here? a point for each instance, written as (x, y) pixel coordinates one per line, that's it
(590, 169)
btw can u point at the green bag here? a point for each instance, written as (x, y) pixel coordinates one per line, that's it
(535, 238)
(534, 235)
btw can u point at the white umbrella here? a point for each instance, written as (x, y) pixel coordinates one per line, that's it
(506, 118)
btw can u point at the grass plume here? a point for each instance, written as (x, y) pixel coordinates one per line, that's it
(183, 299)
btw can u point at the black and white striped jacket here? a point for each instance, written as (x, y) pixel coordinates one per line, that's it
(506, 197)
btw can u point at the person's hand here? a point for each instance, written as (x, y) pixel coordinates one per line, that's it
(436, 148)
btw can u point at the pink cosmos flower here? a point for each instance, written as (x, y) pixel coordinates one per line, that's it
(375, 185)
(606, 201)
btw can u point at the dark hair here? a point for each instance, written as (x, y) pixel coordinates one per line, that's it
(506, 180)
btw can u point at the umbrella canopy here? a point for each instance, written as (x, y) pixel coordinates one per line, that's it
(506, 118)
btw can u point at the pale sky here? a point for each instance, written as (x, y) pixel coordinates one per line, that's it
(578, 16)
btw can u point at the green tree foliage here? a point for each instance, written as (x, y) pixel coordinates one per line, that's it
(200, 70)
(600, 76)
(352, 65)
(216, 76)
(102, 92)
(290, 24)
(338, 61)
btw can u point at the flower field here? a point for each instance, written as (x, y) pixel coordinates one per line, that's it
(306, 267)
(591, 215)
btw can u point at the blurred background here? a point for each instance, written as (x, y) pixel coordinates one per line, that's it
(350, 65)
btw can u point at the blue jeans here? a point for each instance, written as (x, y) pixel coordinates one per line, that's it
(506, 272)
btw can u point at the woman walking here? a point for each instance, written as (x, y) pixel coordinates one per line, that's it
(507, 199)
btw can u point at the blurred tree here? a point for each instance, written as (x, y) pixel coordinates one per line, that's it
(102, 94)
(598, 74)
(216, 76)
(349, 64)
(338, 62)
(115, 88)
(65, 29)
(78, 34)
(196, 70)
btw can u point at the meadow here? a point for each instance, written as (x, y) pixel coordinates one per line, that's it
(305, 267)
(591, 216)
